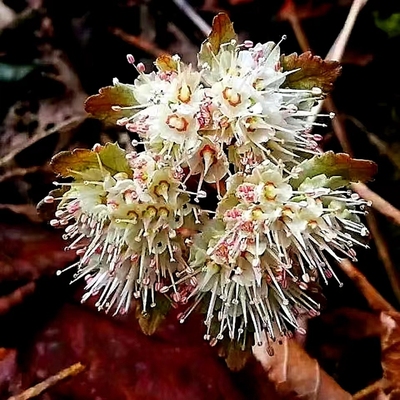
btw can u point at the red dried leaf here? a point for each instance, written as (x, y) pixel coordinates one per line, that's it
(8, 369)
(28, 251)
(100, 105)
(122, 363)
(295, 373)
(313, 71)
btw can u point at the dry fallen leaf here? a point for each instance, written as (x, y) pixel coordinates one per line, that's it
(390, 344)
(295, 374)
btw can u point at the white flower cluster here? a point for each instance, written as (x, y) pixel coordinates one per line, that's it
(231, 115)
(281, 214)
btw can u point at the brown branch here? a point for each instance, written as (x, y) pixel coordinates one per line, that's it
(138, 42)
(384, 254)
(73, 121)
(41, 387)
(378, 203)
(368, 391)
(16, 297)
(19, 172)
(375, 300)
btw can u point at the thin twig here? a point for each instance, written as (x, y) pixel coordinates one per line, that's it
(378, 203)
(368, 391)
(39, 136)
(16, 297)
(193, 16)
(374, 298)
(140, 43)
(384, 254)
(337, 50)
(41, 387)
(19, 172)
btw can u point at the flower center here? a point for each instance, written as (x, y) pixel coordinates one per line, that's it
(231, 96)
(184, 93)
(270, 191)
(178, 123)
(162, 188)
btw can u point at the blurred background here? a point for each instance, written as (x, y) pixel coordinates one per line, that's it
(53, 54)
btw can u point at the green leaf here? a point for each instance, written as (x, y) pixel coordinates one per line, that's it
(100, 105)
(335, 165)
(313, 72)
(390, 25)
(15, 73)
(151, 320)
(114, 159)
(221, 32)
(334, 182)
(70, 163)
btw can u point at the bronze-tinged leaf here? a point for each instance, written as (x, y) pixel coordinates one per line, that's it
(66, 162)
(70, 163)
(151, 320)
(331, 164)
(166, 63)
(294, 373)
(221, 32)
(235, 357)
(313, 71)
(46, 210)
(100, 105)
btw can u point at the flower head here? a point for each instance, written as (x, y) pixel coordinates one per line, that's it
(125, 226)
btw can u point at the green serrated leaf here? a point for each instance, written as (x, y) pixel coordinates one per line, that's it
(151, 320)
(221, 32)
(100, 105)
(313, 71)
(334, 182)
(390, 25)
(113, 158)
(15, 72)
(335, 165)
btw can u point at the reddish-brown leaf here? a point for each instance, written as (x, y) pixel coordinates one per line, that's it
(66, 163)
(8, 369)
(100, 105)
(312, 72)
(28, 251)
(122, 363)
